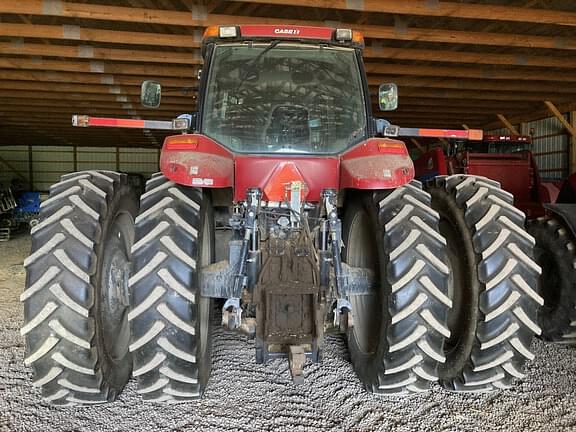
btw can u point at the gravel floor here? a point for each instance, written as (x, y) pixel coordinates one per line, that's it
(245, 396)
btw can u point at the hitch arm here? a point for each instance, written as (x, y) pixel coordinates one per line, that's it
(179, 124)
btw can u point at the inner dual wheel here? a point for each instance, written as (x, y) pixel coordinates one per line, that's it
(458, 308)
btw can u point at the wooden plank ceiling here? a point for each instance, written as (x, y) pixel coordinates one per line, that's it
(456, 62)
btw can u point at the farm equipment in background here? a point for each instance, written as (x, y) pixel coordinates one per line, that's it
(16, 212)
(7, 204)
(322, 229)
(506, 159)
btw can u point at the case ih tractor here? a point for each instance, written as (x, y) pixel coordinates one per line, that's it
(320, 229)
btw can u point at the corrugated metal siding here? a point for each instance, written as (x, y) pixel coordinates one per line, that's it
(49, 163)
(549, 146)
(143, 161)
(17, 157)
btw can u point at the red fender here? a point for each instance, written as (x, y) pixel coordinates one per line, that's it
(377, 163)
(196, 160)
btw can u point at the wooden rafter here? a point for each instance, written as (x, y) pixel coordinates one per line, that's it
(507, 124)
(439, 9)
(554, 110)
(177, 18)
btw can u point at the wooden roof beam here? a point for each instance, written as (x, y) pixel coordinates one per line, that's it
(97, 67)
(88, 34)
(68, 98)
(468, 72)
(87, 78)
(405, 7)
(6, 103)
(475, 84)
(85, 52)
(554, 110)
(177, 18)
(439, 55)
(83, 34)
(533, 114)
(507, 124)
(438, 9)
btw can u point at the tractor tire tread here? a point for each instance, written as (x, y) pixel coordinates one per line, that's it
(59, 295)
(163, 293)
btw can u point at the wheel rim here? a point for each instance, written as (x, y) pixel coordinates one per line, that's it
(114, 302)
(362, 251)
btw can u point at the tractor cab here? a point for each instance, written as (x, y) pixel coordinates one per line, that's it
(283, 90)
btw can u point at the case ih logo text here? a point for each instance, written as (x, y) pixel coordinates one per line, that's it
(287, 31)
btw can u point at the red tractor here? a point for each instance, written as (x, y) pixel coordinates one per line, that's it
(288, 205)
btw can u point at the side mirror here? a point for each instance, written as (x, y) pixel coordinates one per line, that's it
(150, 94)
(388, 97)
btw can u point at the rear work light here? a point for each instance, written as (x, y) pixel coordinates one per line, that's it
(343, 34)
(227, 32)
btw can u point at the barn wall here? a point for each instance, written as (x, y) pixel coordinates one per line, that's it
(49, 163)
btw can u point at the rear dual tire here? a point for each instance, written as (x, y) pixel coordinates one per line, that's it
(76, 299)
(475, 332)
(493, 272)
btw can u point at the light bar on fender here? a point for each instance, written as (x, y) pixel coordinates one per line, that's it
(88, 121)
(468, 134)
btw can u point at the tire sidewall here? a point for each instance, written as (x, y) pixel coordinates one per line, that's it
(205, 361)
(369, 365)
